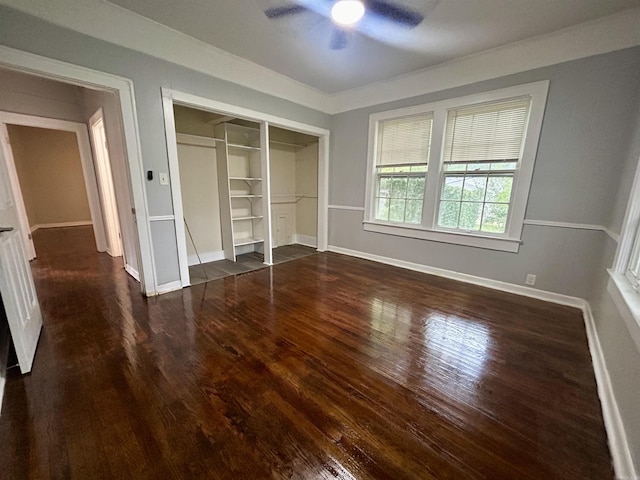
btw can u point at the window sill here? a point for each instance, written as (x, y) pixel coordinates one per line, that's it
(627, 302)
(468, 239)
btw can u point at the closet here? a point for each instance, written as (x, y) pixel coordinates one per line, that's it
(248, 197)
(293, 161)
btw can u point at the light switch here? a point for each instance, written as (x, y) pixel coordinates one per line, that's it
(164, 178)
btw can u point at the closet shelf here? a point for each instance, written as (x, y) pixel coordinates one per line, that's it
(245, 196)
(247, 179)
(242, 147)
(238, 242)
(249, 217)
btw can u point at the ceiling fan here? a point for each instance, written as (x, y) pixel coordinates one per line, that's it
(346, 14)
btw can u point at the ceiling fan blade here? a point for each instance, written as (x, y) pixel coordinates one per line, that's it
(277, 12)
(338, 39)
(408, 18)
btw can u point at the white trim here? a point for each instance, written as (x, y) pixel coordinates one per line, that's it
(235, 111)
(627, 302)
(206, 257)
(629, 226)
(5, 339)
(122, 27)
(132, 271)
(162, 218)
(464, 277)
(306, 240)
(579, 226)
(346, 207)
(171, 137)
(618, 444)
(324, 159)
(196, 140)
(130, 30)
(171, 97)
(169, 287)
(603, 35)
(85, 77)
(88, 172)
(613, 235)
(458, 238)
(60, 225)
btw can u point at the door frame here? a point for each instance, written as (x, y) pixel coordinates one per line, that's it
(88, 172)
(123, 88)
(171, 97)
(112, 227)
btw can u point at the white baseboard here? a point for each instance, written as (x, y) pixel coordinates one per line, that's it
(464, 277)
(133, 272)
(206, 257)
(60, 225)
(168, 287)
(306, 240)
(5, 339)
(618, 445)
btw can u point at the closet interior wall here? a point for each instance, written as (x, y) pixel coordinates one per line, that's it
(294, 188)
(199, 184)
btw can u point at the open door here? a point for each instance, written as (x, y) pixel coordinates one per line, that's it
(105, 184)
(16, 283)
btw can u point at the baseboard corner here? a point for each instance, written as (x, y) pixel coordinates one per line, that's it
(616, 435)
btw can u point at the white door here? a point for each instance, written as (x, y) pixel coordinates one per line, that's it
(105, 185)
(16, 283)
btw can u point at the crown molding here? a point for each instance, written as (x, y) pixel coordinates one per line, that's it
(133, 31)
(130, 30)
(603, 35)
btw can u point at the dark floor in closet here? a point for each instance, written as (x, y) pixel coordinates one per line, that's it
(245, 263)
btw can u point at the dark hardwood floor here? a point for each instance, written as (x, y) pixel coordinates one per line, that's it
(322, 367)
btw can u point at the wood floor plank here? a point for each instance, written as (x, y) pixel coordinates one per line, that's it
(322, 367)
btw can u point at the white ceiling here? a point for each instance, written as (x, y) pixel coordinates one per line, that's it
(298, 46)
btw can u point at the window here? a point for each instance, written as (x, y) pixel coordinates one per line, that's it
(456, 171)
(624, 281)
(401, 166)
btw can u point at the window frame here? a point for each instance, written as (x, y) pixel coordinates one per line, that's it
(623, 287)
(510, 240)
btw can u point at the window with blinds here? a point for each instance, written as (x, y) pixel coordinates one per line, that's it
(402, 159)
(482, 148)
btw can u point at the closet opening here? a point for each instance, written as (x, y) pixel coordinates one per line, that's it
(248, 193)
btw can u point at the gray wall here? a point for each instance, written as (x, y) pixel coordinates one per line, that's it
(149, 75)
(621, 353)
(31, 95)
(589, 119)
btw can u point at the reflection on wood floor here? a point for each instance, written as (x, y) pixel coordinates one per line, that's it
(322, 367)
(245, 263)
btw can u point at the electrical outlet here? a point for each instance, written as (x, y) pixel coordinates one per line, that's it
(531, 279)
(164, 178)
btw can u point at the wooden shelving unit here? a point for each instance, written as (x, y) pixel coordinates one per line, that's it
(242, 202)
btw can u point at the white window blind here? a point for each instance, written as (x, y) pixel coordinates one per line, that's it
(404, 141)
(486, 133)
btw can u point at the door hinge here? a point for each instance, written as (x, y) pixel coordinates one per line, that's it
(29, 236)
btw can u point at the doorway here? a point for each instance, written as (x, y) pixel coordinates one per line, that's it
(52, 176)
(248, 191)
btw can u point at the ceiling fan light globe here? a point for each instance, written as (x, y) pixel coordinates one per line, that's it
(347, 12)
